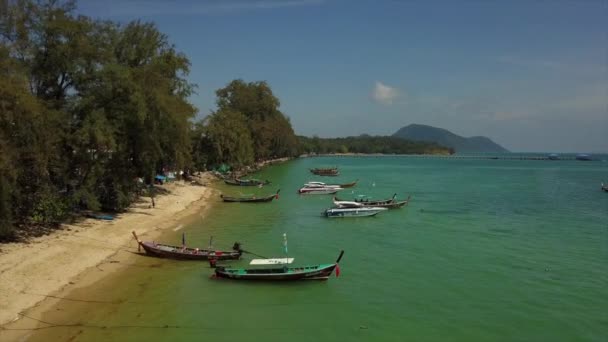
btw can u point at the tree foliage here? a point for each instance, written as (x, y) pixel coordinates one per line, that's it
(369, 145)
(85, 107)
(270, 129)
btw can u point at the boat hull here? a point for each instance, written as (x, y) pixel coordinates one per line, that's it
(317, 272)
(317, 191)
(352, 212)
(178, 253)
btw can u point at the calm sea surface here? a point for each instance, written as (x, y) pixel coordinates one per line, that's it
(487, 250)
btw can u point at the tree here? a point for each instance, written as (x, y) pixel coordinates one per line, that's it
(229, 138)
(271, 131)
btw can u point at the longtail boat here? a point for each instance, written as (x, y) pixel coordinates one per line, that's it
(279, 271)
(246, 182)
(353, 212)
(333, 171)
(187, 253)
(391, 203)
(604, 187)
(251, 199)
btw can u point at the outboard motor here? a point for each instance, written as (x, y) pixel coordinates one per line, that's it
(212, 262)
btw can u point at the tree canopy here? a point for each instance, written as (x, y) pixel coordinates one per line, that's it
(86, 107)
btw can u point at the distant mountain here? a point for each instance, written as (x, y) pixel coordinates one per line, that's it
(446, 138)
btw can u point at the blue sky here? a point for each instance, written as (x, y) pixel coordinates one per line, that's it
(531, 75)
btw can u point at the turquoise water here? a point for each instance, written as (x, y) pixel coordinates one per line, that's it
(488, 250)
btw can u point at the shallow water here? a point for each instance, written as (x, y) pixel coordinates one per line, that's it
(486, 250)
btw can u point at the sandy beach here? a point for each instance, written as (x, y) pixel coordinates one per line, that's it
(47, 265)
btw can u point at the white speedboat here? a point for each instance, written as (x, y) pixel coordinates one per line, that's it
(319, 185)
(348, 204)
(352, 212)
(318, 190)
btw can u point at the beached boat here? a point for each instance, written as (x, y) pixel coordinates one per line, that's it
(318, 190)
(604, 187)
(251, 199)
(321, 184)
(187, 253)
(333, 171)
(246, 182)
(279, 271)
(391, 203)
(353, 212)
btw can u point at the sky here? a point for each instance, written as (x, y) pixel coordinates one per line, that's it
(531, 75)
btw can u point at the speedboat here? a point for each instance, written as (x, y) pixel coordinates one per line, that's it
(352, 212)
(319, 190)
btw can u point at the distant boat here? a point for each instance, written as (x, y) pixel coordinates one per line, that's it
(391, 203)
(251, 199)
(318, 190)
(553, 156)
(584, 157)
(332, 171)
(321, 184)
(278, 271)
(353, 212)
(246, 182)
(187, 253)
(604, 187)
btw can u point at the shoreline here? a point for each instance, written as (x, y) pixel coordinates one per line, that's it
(32, 272)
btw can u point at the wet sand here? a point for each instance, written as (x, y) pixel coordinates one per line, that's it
(79, 255)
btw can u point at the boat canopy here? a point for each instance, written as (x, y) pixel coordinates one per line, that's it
(272, 261)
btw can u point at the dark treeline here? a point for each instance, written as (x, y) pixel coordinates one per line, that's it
(369, 144)
(90, 108)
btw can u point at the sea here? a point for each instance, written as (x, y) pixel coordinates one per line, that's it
(486, 250)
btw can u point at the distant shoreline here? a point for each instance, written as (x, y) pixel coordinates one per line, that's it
(481, 155)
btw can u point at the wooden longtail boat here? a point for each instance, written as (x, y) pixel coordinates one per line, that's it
(391, 203)
(251, 199)
(279, 272)
(353, 212)
(186, 253)
(246, 182)
(325, 172)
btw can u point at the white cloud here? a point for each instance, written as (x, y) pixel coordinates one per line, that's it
(384, 94)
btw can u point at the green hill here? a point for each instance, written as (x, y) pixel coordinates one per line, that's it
(446, 138)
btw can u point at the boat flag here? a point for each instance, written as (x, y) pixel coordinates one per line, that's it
(337, 270)
(285, 242)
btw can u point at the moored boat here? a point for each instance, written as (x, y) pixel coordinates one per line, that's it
(321, 184)
(251, 199)
(280, 272)
(353, 212)
(333, 171)
(391, 203)
(187, 253)
(246, 182)
(318, 190)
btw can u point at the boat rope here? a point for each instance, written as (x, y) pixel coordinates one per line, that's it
(260, 256)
